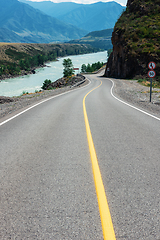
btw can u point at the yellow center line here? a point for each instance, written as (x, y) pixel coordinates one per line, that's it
(106, 221)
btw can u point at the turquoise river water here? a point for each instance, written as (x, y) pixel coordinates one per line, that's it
(53, 71)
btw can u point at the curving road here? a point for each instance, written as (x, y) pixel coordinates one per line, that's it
(46, 182)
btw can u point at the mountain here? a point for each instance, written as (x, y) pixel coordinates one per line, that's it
(136, 40)
(98, 39)
(53, 9)
(91, 17)
(29, 24)
(96, 16)
(9, 36)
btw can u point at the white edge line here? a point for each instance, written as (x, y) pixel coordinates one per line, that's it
(58, 95)
(131, 105)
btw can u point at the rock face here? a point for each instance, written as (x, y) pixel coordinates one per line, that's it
(136, 41)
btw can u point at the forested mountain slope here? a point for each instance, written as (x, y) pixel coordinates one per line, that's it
(33, 26)
(98, 39)
(91, 17)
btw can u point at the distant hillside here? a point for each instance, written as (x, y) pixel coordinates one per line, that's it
(136, 40)
(9, 36)
(27, 24)
(53, 9)
(20, 58)
(98, 39)
(103, 33)
(91, 17)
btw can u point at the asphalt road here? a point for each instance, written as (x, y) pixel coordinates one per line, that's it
(46, 182)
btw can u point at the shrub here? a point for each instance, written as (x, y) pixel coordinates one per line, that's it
(46, 83)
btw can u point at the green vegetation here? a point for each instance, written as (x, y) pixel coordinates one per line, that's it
(102, 33)
(46, 83)
(98, 39)
(35, 61)
(68, 67)
(25, 93)
(14, 68)
(9, 68)
(31, 56)
(91, 68)
(11, 52)
(139, 27)
(142, 32)
(68, 76)
(146, 82)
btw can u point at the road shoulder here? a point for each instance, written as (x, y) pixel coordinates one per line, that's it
(137, 95)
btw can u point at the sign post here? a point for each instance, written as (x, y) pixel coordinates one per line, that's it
(151, 74)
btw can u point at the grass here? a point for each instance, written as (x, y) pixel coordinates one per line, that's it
(138, 33)
(15, 54)
(27, 93)
(152, 91)
(141, 30)
(146, 82)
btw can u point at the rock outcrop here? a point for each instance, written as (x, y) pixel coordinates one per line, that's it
(66, 81)
(136, 41)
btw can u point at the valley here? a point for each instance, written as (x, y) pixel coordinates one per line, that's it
(22, 58)
(79, 153)
(48, 22)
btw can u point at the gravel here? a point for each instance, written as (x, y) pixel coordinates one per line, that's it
(138, 95)
(128, 90)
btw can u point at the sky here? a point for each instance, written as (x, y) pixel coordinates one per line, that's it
(122, 2)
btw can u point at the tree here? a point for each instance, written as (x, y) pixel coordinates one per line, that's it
(89, 68)
(68, 67)
(83, 68)
(40, 59)
(46, 83)
(21, 64)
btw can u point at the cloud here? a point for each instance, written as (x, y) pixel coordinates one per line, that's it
(122, 2)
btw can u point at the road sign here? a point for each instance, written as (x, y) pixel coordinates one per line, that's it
(151, 65)
(151, 74)
(75, 68)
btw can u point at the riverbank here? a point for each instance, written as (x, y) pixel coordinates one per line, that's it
(128, 90)
(54, 70)
(23, 73)
(19, 59)
(12, 105)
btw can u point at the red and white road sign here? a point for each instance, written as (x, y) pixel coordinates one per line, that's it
(151, 65)
(151, 74)
(75, 68)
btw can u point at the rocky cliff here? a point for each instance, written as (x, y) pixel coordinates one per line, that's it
(136, 40)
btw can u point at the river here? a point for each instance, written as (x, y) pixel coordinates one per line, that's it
(53, 71)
